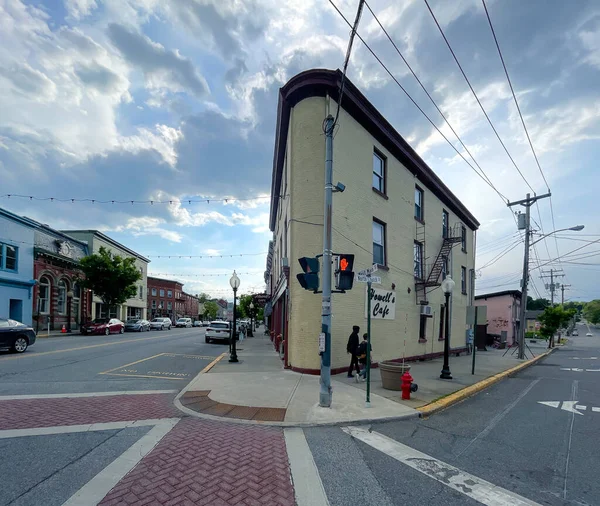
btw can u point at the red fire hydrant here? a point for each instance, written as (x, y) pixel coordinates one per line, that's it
(407, 386)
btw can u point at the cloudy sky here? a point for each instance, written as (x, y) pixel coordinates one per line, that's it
(176, 100)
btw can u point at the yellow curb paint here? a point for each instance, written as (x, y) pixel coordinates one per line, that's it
(30, 355)
(213, 363)
(458, 396)
(131, 363)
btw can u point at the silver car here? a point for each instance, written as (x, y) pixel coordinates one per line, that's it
(161, 323)
(137, 325)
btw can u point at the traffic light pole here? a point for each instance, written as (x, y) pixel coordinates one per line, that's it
(325, 390)
(368, 364)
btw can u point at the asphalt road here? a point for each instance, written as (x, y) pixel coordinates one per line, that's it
(156, 360)
(544, 453)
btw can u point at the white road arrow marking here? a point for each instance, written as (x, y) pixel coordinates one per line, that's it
(569, 406)
(596, 410)
(552, 404)
(593, 370)
(579, 406)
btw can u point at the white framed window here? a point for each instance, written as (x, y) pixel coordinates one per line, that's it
(154, 292)
(418, 260)
(379, 172)
(8, 257)
(463, 280)
(445, 269)
(61, 302)
(169, 293)
(141, 289)
(162, 292)
(463, 238)
(161, 304)
(169, 305)
(153, 304)
(419, 198)
(379, 253)
(44, 296)
(445, 221)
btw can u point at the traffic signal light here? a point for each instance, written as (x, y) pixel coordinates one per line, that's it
(309, 280)
(344, 277)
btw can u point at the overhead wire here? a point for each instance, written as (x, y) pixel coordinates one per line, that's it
(413, 101)
(207, 200)
(476, 97)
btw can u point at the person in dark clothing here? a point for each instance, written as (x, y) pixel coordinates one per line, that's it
(361, 353)
(351, 348)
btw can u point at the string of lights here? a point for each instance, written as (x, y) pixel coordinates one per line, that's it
(183, 275)
(203, 200)
(208, 256)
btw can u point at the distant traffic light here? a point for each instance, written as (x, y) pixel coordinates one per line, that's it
(344, 277)
(309, 280)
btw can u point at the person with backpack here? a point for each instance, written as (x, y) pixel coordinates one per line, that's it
(361, 353)
(351, 348)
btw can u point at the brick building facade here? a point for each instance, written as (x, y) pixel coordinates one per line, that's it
(166, 298)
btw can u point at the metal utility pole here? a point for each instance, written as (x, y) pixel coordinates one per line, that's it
(325, 390)
(527, 203)
(562, 298)
(553, 286)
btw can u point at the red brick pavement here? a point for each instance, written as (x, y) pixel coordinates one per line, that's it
(202, 462)
(29, 413)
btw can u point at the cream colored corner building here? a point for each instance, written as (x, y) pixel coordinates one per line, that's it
(378, 218)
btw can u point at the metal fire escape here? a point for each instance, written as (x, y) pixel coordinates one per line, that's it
(453, 236)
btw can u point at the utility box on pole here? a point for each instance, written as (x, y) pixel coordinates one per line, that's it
(521, 221)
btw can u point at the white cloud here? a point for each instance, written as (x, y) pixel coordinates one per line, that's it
(146, 225)
(80, 8)
(164, 141)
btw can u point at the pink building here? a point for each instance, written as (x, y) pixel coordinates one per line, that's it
(503, 309)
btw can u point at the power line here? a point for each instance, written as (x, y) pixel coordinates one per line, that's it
(182, 275)
(207, 256)
(412, 100)
(476, 97)
(433, 101)
(500, 255)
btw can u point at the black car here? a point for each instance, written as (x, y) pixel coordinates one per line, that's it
(15, 335)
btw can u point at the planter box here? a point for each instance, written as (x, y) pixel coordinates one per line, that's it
(391, 374)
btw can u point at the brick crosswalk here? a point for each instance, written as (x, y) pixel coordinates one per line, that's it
(203, 462)
(28, 413)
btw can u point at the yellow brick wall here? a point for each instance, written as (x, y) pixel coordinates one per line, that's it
(353, 212)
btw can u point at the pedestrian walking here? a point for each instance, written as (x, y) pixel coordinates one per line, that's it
(361, 352)
(351, 348)
(242, 332)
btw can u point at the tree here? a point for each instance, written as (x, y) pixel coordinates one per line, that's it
(203, 297)
(210, 309)
(536, 304)
(552, 319)
(591, 311)
(243, 309)
(112, 278)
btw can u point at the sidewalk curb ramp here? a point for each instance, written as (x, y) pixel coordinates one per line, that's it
(242, 421)
(460, 395)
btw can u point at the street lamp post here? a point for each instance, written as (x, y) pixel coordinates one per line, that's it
(251, 331)
(447, 287)
(69, 300)
(234, 281)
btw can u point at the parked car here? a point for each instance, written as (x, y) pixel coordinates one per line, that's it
(104, 326)
(218, 331)
(183, 322)
(206, 323)
(161, 324)
(589, 334)
(197, 323)
(575, 333)
(15, 335)
(137, 325)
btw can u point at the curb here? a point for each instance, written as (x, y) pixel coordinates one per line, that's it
(263, 423)
(460, 395)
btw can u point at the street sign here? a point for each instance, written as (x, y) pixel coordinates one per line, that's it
(365, 272)
(361, 278)
(375, 268)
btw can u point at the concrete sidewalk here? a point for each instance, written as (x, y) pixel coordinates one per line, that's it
(259, 390)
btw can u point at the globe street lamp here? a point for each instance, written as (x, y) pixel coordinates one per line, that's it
(234, 281)
(69, 301)
(251, 331)
(447, 287)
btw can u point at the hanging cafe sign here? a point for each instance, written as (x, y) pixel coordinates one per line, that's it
(383, 304)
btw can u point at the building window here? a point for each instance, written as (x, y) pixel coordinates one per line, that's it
(445, 221)
(61, 302)
(379, 172)
(154, 292)
(379, 243)
(169, 293)
(418, 260)
(162, 292)
(141, 292)
(445, 269)
(8, 257)
(463, 238)
(419, 215)
(153, 304)
(463, 280)
(169, 305)
(44, 296)
(161, 304)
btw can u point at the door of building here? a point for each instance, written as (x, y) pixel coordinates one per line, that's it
(15, 310)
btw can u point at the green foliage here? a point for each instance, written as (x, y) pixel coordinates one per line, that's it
(578, 306)
(591, 311)
(210, 310)
(111, 277)
(260, 314)
(243, 309)
(535, 304)
(554, 318)
(203, 297)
